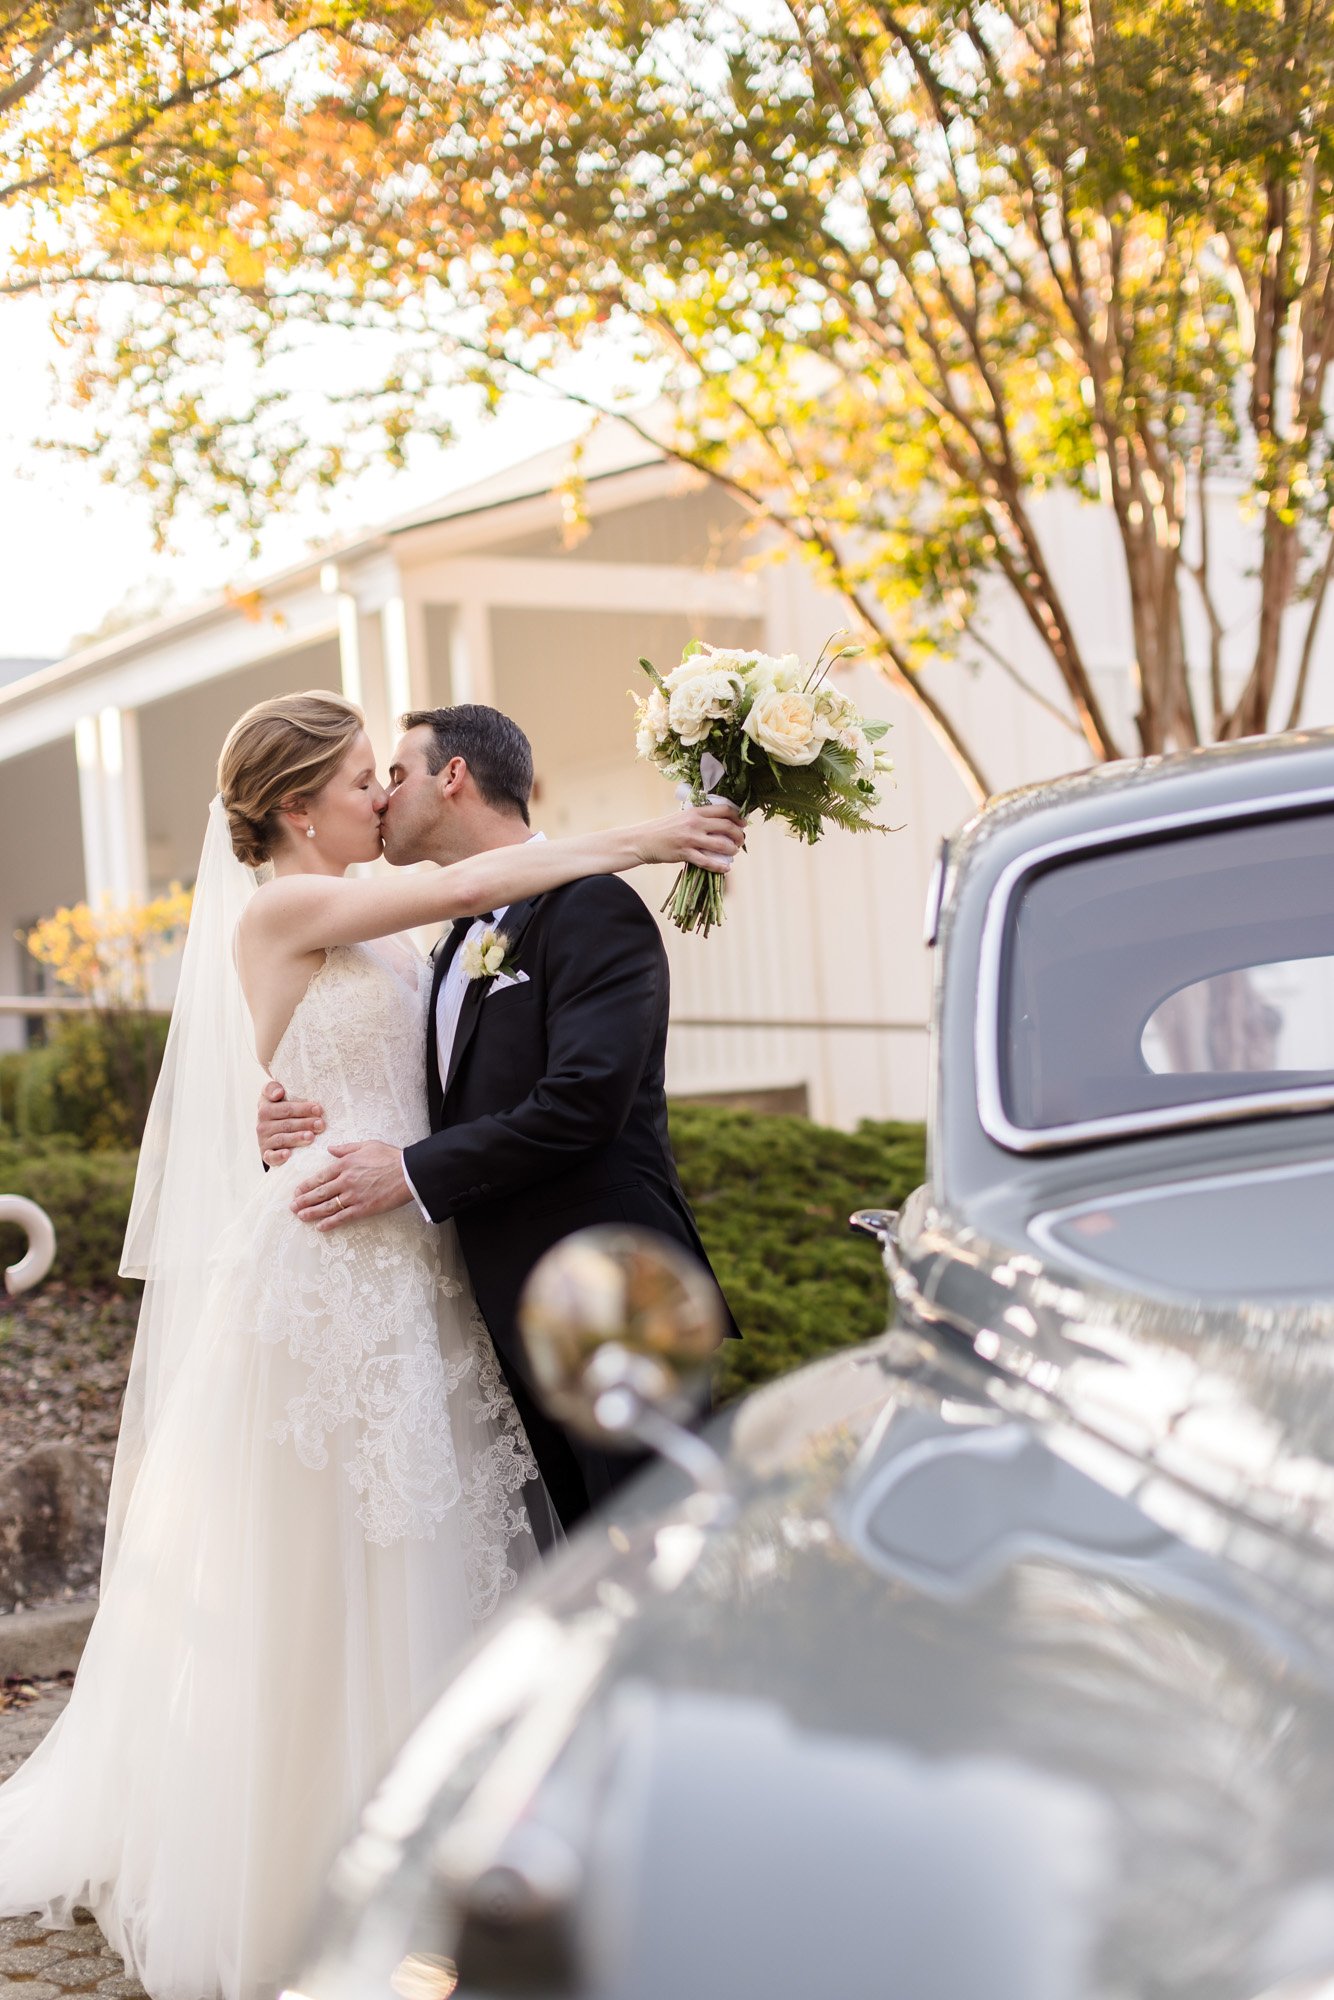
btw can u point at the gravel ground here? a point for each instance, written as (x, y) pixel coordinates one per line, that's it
(63, 1361)
(37, 1964)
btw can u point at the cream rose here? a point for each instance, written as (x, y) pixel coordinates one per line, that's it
(653, 725)
(484, 956)
(785, 723)
(695, 705)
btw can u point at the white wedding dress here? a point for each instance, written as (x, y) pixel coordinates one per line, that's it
(327, 1506)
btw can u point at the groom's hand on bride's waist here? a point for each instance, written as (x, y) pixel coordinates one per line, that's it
(284, 1123)
(365, 1179)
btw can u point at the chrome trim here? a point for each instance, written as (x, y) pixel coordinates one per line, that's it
(935, 895)
(986, 1036)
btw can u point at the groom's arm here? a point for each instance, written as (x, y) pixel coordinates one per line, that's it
(606, 980)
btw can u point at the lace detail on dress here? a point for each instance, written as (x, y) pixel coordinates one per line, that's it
(502, 1466)
(398, 1379)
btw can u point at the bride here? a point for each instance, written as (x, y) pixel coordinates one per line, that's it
(319, 1486)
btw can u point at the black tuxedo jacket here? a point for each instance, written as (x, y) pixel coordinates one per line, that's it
(553, 1115)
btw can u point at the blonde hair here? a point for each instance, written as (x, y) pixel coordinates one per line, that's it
(282, 751)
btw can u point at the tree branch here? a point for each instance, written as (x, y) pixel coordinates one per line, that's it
(980, 640)
(1308, 641)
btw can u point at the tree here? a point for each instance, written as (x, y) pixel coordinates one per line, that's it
(904, 268)
(82, 84)
(104, 1064)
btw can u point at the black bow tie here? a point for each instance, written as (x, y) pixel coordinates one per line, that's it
(482, 917)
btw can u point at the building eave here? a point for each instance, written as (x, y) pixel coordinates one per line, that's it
(425, 530)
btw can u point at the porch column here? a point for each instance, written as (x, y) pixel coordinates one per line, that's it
(349, 637)
(406, 668)
(111, 806)
(471, 668)
(382, 646)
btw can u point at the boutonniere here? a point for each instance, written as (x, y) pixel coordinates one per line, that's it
(487, 955)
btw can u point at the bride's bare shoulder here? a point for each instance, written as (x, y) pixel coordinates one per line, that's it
(276, 901)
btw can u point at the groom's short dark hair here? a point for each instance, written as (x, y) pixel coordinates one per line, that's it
(494, 748)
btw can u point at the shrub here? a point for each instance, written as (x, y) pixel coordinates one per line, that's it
(772, 1196)
(27, 1109)
(92, 1081)
(86, 1195)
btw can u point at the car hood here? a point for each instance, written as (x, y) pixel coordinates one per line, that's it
(1218, 1415)
(941, 1707)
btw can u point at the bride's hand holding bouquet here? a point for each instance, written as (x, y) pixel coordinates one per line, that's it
(767, 733)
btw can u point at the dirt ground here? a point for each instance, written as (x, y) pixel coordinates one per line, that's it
(63, 1362)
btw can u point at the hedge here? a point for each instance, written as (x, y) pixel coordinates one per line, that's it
(772, 1196)
(86, 1195)
(92, 1081)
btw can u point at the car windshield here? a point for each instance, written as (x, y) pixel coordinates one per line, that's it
(1171, 973)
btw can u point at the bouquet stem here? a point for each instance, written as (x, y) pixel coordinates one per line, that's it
(696, 899)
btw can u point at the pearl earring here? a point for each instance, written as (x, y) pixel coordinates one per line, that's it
(310, 833)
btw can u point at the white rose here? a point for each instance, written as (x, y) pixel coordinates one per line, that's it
(708, 660)
(786, 725)
(852, 739)
(783, 671)
(837, 710)
(697, 704)
(653, 724)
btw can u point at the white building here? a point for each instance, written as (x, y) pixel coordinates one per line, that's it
(817, 987)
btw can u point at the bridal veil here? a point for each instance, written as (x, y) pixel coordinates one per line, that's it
(198, 1164)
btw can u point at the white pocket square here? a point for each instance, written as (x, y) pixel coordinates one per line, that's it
(504, 979)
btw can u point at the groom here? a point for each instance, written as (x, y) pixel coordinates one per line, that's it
(545, 1083)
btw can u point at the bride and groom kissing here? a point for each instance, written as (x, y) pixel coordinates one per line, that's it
(331, 1461)
(545, 1085)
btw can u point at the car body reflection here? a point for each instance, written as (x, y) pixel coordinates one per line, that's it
(1009, 1668)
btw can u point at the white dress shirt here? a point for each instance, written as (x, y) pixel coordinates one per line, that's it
(449, 1008)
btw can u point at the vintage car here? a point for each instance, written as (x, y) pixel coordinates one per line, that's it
(994, 1656)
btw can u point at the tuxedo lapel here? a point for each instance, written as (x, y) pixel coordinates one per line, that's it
(512, 926)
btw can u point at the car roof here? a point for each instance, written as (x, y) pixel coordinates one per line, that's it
(968, 1166)
(1150, 788)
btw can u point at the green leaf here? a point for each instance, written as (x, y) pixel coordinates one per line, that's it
(839, 763)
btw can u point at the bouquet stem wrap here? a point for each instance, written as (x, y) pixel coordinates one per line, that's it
(696, 898)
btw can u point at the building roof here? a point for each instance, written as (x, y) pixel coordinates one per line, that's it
(18, 669)
(612, 450)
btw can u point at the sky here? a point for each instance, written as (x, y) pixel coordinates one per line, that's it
(73, 548)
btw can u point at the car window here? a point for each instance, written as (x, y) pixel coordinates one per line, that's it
(1260, 1017)
(1171, 973)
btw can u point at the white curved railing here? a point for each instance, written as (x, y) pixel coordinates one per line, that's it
(36, 1225)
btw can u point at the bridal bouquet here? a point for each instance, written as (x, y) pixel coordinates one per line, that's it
(768, 733)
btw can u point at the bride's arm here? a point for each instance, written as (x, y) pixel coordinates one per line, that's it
(311, 912)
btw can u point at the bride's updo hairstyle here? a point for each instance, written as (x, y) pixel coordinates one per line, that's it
(281, 753)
